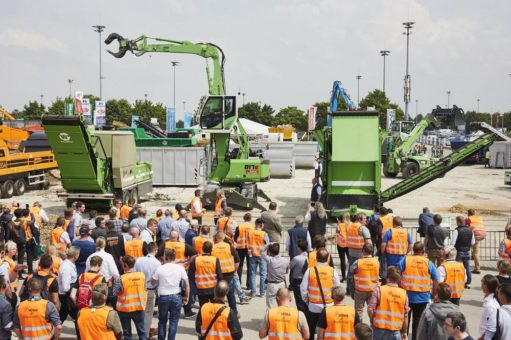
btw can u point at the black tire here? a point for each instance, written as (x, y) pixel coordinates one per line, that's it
(19, 187)
(388, 174)
(134, 194)
(410, 169)
(7, 189)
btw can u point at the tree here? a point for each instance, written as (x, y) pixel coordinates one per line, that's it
(180, 124)
(119, 110)
(57, 107)
(381, 103)
(255, 112)
(293, 116)
(321, 114)
(32, 110)
(147, 110)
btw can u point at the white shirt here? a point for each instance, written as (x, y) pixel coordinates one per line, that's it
(169, 277)
(490, 306)
(64, 237)
(309, 243)
(67, 276)
(108, 268)
(441, 272)
(4, 271)
(43, 216)
(454, 237)
(197, 206)
(146, 236)
(304, 290)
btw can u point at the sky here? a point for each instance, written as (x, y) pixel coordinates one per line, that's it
(282, 53)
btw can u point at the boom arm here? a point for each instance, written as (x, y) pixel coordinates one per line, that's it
(407, 145)
(339, 91)
(143, 44)
(4, 115)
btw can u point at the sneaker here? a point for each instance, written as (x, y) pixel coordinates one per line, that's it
(250, 294)
(190, 315)
(476, 272)
(261, 294)
(467, 286)
(244, 301)
(238, 315)
(343, 279)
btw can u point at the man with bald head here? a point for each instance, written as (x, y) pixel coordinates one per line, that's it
(183, 251)
(135, 247)
(288, 321)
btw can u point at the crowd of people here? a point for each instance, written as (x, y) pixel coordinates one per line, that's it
(107, 275)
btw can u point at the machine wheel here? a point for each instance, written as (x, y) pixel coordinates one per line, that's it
(7, 189)
(134, 194)
(19, 187)
(410, 169)
(387, 173)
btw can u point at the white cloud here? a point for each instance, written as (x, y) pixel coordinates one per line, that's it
(33, 41)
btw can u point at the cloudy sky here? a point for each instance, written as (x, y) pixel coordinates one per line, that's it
(282, 53)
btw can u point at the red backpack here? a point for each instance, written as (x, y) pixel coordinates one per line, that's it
(84, 294)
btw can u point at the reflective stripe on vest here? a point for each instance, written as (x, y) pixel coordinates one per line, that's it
(389, 313)
(367, 275)
(220, 329)
(256, 241)
(92, 323)
(312, 259)
(355, 240)
(416, 276)
(342, 235)
(243, 230)
(134, 248)
(179, 248)
(199, 242)
(326, 275)
(32, 319)
(205, 272)
(283, 323)
(340, 321)
(133, 296)
(222, 251)
(398, 242)
(455, 277)
(387, 223)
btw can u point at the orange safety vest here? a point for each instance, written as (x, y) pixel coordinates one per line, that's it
(134, 248)
(219, 211)
(312, 259)
(390, 310)
(198, 242)
(32, 318)
(222, 251)
(455, 277)
(195, 214)
(398, 242)
(507, 250)
(416, 276)
(222, 223)
(38, 220)
(283, 323)
(12, 265)
(205, 272)
(256, 241)
(125, 212)
(220, 329)
(179, 248)
(477, 226)
(133, 296)
(175, 215)
(57, 261)
(92, 323)
(367, 275)
(387, 223)
(243, 231)
(56, 233)
(342, 240)
(326, 275)
(340, 323)
(355, 240)
(28, 231)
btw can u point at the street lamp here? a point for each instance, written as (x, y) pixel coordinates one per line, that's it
(242, 94)
(184, 107)
(407, 82)
(41, 95)
(174, 64)
(448, 98)
(358, 89)
(478, 100)
(416, 108)
(99, 29)
(384, 54)
(70, 81)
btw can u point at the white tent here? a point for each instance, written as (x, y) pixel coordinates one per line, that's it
(253, 128)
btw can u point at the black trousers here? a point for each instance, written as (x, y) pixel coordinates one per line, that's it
(312, 321)
(416, 309)
(28, 249)
(67, 307)
(343, 256)
(456, 301)
(243, 254)
(300, 304)
(204, 298)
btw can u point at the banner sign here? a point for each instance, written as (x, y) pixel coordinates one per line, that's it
(78, 102)
(100, 113)
(86, 108)
(312, 117)
(188, 120)
(171, 119)
(133, 120)
(391, 117)
(70, 108)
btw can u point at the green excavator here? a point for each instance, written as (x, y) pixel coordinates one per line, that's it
(229, 168)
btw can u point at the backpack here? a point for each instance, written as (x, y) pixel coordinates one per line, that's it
(84, 293)
(45, 294)
(18, 234)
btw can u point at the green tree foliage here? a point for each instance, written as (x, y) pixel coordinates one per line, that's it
(379, 100)
(119, 110)
(257, 113)
(32, 110)
(57, 107)
(180, 124)
(293, 116)
(147, 110)
(473, 116)
(321, 114)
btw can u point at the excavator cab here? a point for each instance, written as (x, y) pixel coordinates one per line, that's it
(218, 113)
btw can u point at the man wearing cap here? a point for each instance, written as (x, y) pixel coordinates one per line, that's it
(87, 247)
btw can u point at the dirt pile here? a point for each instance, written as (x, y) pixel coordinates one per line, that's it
(461, 209)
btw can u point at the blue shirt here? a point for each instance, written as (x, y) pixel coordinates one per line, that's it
(87, 248)
(420, 297)
(164, 227)
(189, 236)
(147, 265)
(392, 259)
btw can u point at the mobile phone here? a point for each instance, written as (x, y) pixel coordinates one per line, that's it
(27, 206)
(313, 204)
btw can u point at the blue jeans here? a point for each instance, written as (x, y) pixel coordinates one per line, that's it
(169, 306)
(464, 257)
(384, 334)
(191, 300)
(235, 285)
(350, 284)
(231, 294)
(138, 319)
(253, 262)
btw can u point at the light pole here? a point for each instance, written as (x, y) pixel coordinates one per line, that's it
(99, 29)
(416, 108)
(70, 81)
(242, 94)
(174, 64)
(407, 82)
(145, 97)
(358, 89)
(478, 100)
(384, 54)
(41, 95)
(184, 107)
(448, 98)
